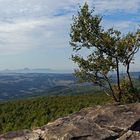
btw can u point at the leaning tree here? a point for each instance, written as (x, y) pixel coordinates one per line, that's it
(107, 50)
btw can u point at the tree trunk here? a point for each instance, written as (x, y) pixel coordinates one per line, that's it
(112, 91)
(129, 77)
(131, 83)
(118, 80)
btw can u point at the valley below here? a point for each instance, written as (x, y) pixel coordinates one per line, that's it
(25, 85)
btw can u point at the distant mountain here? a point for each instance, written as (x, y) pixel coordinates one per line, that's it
(38, 70)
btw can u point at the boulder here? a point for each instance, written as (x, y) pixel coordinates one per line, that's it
(130, 135)
(20, 135)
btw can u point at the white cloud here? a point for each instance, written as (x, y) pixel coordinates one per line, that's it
(22, 34)
(124, 26)
(27, 24)
(113, 5)
(20, 25)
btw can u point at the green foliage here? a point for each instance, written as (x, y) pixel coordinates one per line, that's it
(129, 94)
(109, 49)
(30, 113)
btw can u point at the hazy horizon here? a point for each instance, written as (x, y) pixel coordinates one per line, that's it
(35, 33)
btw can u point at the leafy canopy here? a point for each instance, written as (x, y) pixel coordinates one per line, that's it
(108, 49)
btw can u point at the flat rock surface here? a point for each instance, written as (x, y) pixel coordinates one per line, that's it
(20, 135)
(109, 122)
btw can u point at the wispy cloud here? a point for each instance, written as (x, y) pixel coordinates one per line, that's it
(29, 24)
(123, 26)
(116, 5)
(23, 34)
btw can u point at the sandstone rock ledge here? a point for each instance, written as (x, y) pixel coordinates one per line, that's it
(110, 122)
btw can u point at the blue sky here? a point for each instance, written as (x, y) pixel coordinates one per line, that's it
(35, 33)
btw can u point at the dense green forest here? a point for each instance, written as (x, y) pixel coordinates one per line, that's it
(31, 113)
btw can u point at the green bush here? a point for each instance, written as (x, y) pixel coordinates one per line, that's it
(129, 94)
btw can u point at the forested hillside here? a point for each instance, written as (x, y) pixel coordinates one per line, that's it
(23, 85)
(30, 113)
